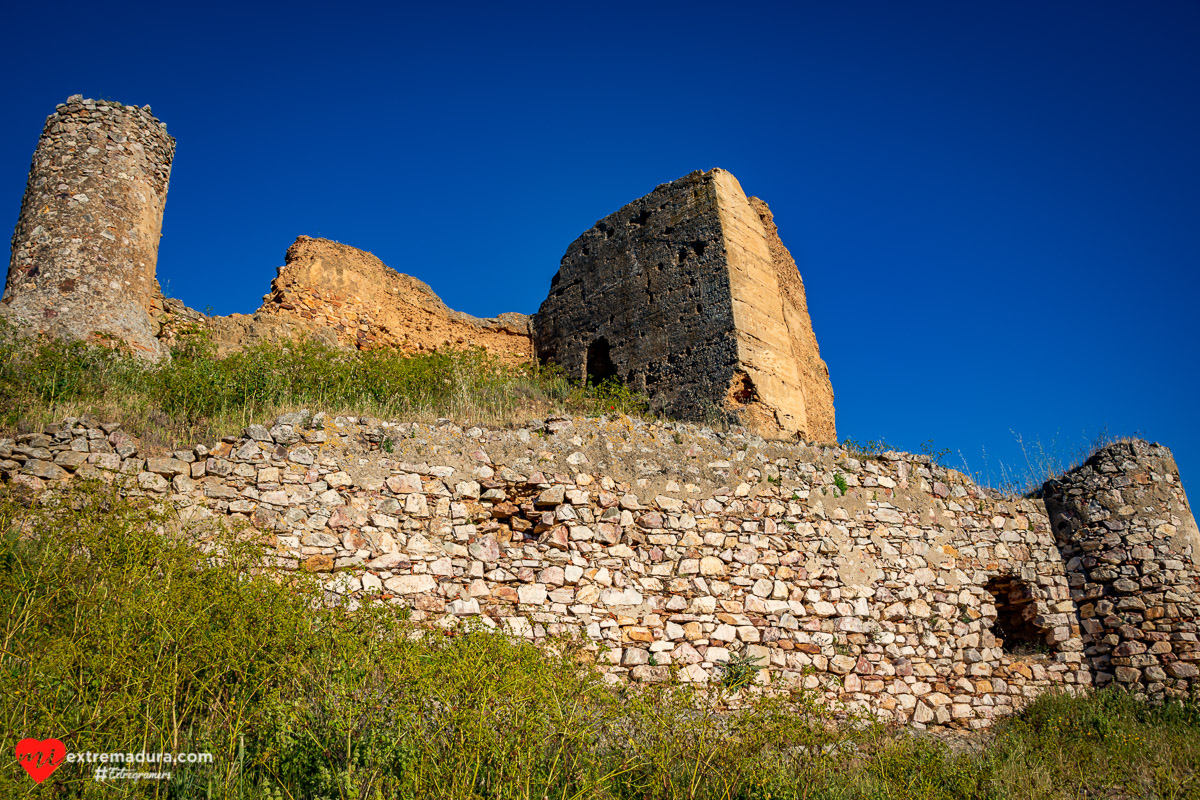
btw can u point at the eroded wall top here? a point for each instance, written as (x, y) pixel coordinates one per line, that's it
(347, 297)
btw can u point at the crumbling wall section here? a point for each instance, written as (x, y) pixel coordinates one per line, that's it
(345, 297)
(811, 371)
(366, 304)
(647, 286)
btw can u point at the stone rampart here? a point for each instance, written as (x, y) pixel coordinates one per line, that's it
(889, 584)
(86, 243)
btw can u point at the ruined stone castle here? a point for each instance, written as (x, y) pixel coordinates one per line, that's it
(688, 294)
(886, 583)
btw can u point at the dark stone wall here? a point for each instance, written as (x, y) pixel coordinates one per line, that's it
(86, 244)
(650, 281)
(1126, 531)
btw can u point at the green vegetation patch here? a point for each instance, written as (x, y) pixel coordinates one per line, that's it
(198, 395)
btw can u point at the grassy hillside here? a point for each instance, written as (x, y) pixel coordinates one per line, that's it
(121, 634)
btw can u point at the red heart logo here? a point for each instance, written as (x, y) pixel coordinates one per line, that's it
(40, 759)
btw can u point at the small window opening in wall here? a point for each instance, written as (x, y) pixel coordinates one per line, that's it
(741, 389)
(1015, 612)
(599, 361)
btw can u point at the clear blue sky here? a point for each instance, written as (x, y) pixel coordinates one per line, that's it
(995, 206)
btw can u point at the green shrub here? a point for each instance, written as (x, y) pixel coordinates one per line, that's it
(612, 396)
(739, 671)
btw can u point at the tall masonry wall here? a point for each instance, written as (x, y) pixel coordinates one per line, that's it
(688, 295)
(86, 243)
(644, 295)
(889, 584)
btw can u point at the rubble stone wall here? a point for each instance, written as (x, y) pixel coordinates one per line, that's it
(86, 243)
(1123, 522)
(889, 584)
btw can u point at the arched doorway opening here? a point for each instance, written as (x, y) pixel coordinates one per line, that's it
(599, 365)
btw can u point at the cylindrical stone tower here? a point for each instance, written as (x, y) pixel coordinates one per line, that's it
(86, 244)
(1130, 541)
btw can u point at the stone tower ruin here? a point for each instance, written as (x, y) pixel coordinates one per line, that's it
(689, 295)
(86, 244)
(1127, 534)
